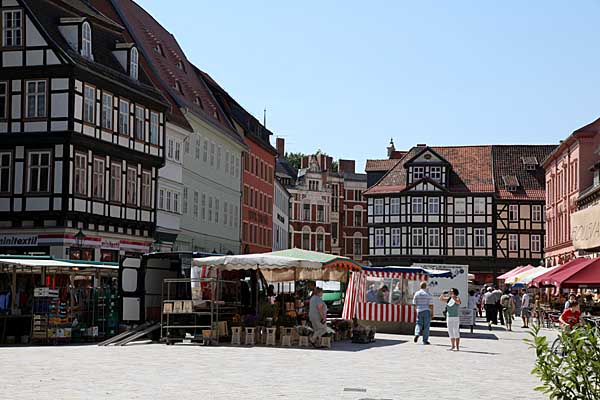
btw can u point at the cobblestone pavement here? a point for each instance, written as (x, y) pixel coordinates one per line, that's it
(490, 365)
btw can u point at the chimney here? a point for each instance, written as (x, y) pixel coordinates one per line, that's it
(421, 145)
(346, 166)
(280, 144)
(304, 162)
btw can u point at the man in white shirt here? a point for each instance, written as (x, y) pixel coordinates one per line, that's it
(424, 303)
(525, 310)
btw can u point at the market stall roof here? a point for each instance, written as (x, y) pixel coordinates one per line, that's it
(255, 261)
(394, 271)
(49, 261)
(544, 279)
(539, 271)
(583, 274)
(522, 275)
(326, 260)
(515, 271)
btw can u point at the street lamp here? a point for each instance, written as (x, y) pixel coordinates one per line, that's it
(79, 238)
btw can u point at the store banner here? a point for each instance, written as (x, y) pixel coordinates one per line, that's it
(18, 240)
(585, 228)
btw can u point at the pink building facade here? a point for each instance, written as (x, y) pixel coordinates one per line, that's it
(567, 175)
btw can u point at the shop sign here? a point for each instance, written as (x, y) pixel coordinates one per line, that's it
(110, 244)
(585, 228)
(18, 240)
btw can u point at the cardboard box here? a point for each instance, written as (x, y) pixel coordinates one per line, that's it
(168, 307)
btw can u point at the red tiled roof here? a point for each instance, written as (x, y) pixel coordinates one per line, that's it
(380, 165)
(471, 170)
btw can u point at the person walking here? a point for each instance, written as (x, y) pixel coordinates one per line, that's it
(498, 294)
(525, 310)
(508, 308)
(424, 303)
(452, 319)
(472, 305)
(317, 314)
(489, 302)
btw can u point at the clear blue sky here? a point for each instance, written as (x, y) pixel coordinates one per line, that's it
(345, 76)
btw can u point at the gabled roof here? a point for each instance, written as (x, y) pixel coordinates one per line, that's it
(471, 170)
(251, 126)
(285, 170)
(106, 33)
(508, 162)
(380, 165)
(424, 149)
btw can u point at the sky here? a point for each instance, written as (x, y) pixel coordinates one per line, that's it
(346, 76)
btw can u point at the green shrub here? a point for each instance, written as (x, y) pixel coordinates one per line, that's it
(571, 370)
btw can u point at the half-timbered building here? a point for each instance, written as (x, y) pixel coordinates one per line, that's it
(447, 205)
(83, 134)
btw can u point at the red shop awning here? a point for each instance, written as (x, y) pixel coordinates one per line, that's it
(586, 273)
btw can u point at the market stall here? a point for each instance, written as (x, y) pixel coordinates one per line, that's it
(514, 271)
(44, 300)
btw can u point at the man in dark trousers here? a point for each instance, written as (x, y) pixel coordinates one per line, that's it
(498, 293)
(491, 312)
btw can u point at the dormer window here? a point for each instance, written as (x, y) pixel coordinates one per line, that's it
(158, 49)
(530, 163)
(177, 87)
(435, 173)
(12, 28)
(134, 63)
(179, 65)
(86, 40)
(511, 183)
(418, 173)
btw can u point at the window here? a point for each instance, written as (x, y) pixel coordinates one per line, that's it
(177, 87)
(313, 185)
(232, 169)
(169, 202)
(536, 213)
(513, 242)
(5, 172)
(306, 240)
(334, 232)
(378, 206)
(226, 162)
(379, 237)
(89, 101)
(357, 246)
(395, 237)
(107, 114)
(210, 208)
(460, 206)
(358, 217)
(177, 151)
(459, 237)
(132, 186)
(435, 173)
(237, 167)
(134, 63)
(513, 213)
(418, 173)
(217, 210)
(320, 213)
(395, 206)
(80, 172)
(212, 153)
(153, 128)
(12, 34)
(39, 171)
(320, 242)
(185, 200)
(170, 146)
(147, 189)
(124, 117)
(433, 237)
(175, 202)
(196, 205)
(98, 178)
(86, 40)
(225, 213)
(205, 151)
(3, 97)
(417, 237)
(306, 213)
(115, 182)
(36, 99)
(139, 123)
(536, 243)
(433, 205)
(417, 205)
(219, 150)
(161, 199)
(479, 205)
(479, 234)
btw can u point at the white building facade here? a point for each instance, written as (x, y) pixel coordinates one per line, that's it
(281, 217)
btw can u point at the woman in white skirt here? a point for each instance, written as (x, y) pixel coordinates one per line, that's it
(452, 317)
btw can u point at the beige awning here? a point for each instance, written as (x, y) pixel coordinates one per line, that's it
(585, 228)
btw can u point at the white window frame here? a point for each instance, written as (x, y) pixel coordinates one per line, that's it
(418, 173)
(139, 131)
(3, 100)
(379, 237)
(177, 151)
(35, 172)
(356, 248)
(161, 199)
(176, 202)
(416, 205)
(146, 189)
(196, 204)
(513, 242)
(123, 117)
(205, 150)
(435, 173)
(89, 104)
(134, 61)
(131, 191)
(217, 210)
(417, 237)
(154, 127)
(219, 150)
(378, 207)
(225, 213)
(395, 206)
(116, 186)
(210, 208)
(479, 238)
(6, 170)
(169, 204)
(396, 237)
(433, 237)
(38, 98)
(185, 200)
(536, 243)
(433, 205)
(463, 208)
(86, 40)
(536, 213)
(513, 213)
(479, 205)
(80, 174)
(212, 153)
(170, 145)
(16, 37)
(460, 237)
(226, 162)
(106, 117)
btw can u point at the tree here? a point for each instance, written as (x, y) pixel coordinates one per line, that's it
(294, 159)
(570, 370)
